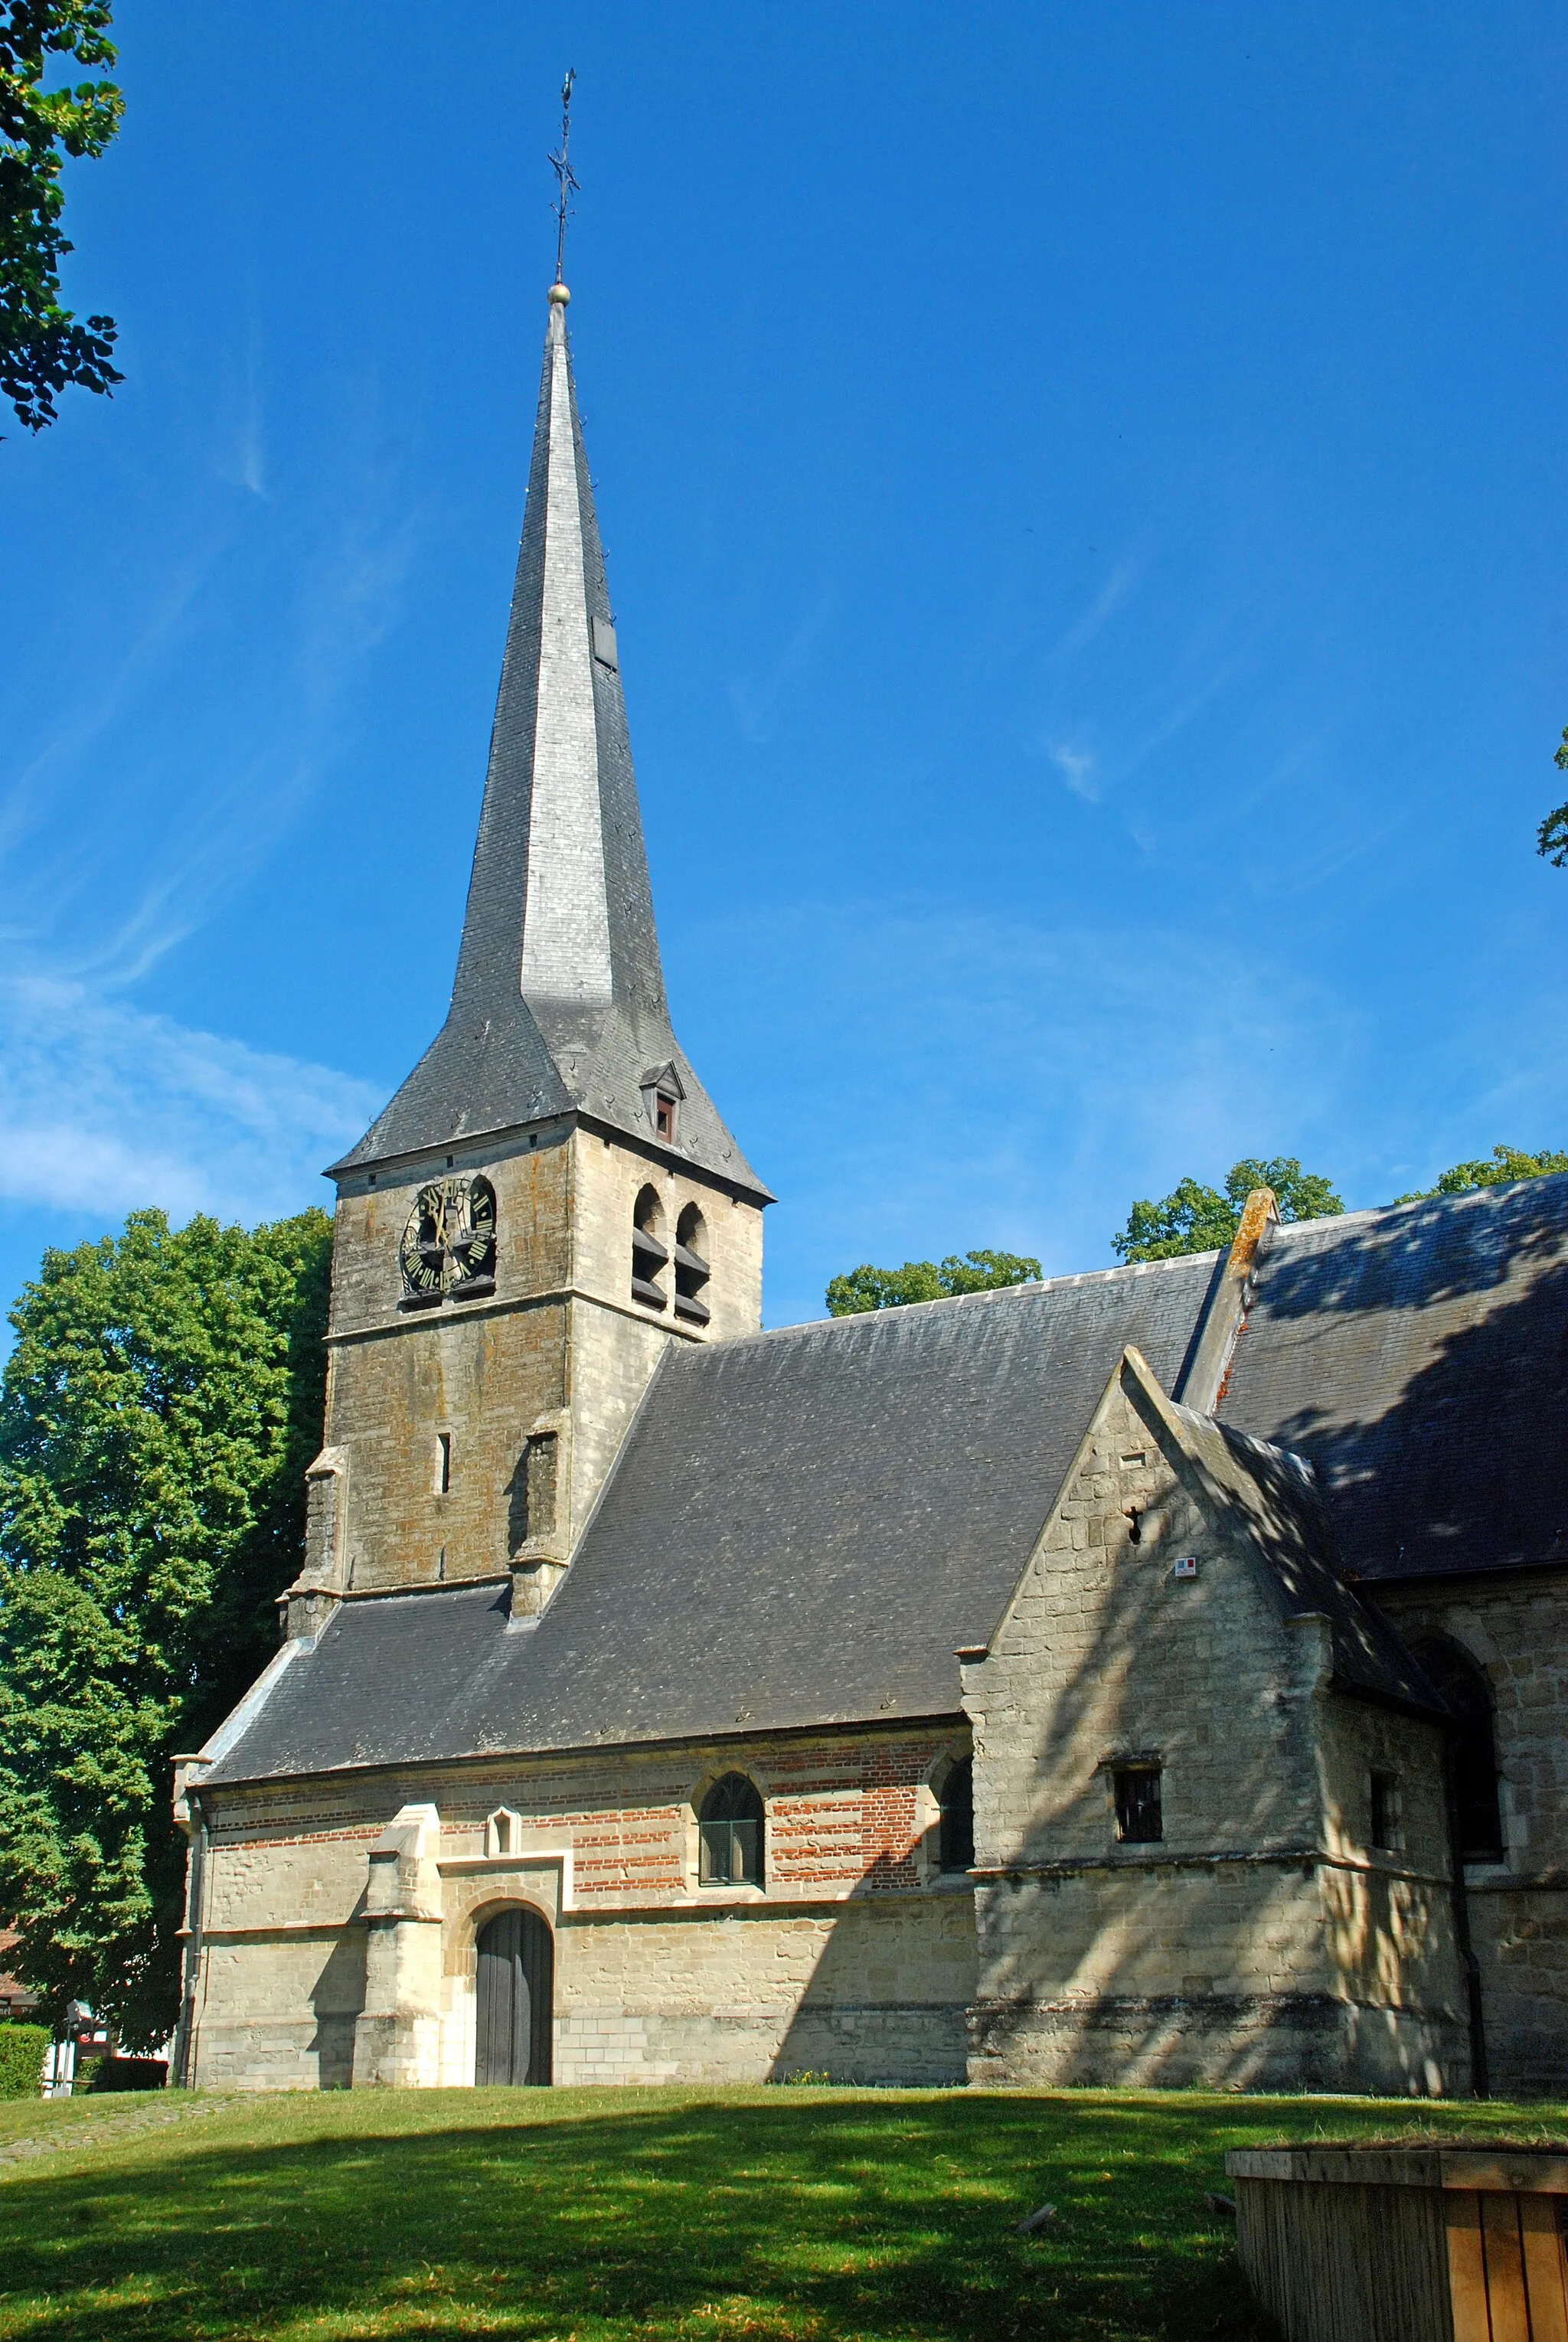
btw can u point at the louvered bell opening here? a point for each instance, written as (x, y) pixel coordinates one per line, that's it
(648, 1295)
(647, 1248)
(692, 1273)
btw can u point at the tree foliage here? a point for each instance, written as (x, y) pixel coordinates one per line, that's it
(926, 1280)
(44, 348)
(156, 1415)
(1195, 1218)
(1494, 1170)
(1551, 838)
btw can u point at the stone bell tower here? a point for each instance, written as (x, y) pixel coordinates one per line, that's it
(550, 1199)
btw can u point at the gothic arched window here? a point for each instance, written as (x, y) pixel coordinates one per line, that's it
(692, 1271)
(956, 1798)
(730, 1834)
(649, 1251)
(1472, 1749)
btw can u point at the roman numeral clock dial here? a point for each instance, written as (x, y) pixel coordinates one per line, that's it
(449, 1244)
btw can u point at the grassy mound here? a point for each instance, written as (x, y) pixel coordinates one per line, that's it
(597, 2216)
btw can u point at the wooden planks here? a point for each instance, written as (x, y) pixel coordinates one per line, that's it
(1505, 2301)
(1338, 2244)
(1466, 2269)
(1545, 2275)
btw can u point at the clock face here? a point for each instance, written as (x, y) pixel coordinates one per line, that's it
(450, 1239)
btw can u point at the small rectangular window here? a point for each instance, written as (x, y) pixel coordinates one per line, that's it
(1138, 1818)
(664, 1116)
(1385, 1813)
(442, 1462)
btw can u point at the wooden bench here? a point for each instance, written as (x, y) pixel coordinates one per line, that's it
(1405, 2244)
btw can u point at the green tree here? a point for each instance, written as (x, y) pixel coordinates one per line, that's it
(1503, 1163)
(1551, 838)
(924, 1280)
(43, 346)
(1195, 1218)
(156, 1415)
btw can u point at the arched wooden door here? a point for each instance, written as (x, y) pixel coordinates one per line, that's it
(515, 1996)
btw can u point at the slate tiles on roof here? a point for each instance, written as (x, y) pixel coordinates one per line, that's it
(800, 1529)
(802, 1526)
(1419, 1357)
(502, 1059)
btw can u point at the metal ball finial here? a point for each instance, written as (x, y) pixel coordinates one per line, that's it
(558, 293)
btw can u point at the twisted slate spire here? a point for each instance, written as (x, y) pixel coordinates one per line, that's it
(559, 997)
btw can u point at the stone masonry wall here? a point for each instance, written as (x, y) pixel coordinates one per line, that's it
(1516, 1629)
(1247, 1948)
(854, 1956)
(560, 1342)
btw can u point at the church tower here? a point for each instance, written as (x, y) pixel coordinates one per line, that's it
(551, 1198)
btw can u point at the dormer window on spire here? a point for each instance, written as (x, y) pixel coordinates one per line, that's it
(662, 1091)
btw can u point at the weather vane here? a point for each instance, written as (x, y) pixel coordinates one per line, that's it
(563, 171)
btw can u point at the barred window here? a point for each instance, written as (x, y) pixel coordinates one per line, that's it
(1139, 1819)
(730, 1831)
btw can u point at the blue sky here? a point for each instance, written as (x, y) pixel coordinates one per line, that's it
(1083, 492)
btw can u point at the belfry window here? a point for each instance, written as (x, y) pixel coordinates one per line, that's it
(730, 1834)
(692, 1271)
(650, 1254)
(956, 1798)
(1472, 1747)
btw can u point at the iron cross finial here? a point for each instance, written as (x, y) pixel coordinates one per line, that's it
(563, 170)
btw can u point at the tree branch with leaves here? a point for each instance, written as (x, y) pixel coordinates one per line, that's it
(45, 348)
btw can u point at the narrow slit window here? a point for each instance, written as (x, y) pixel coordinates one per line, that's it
(1140, 1820)
(1386, 1814)
(665, 1115)
(442, 1462)
(957, 1832)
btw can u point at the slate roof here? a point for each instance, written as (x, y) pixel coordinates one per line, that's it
(505, 1058)
(1419, 1357)
(803, 1525)
(800, 1529)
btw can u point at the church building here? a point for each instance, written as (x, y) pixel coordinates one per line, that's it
(1154, 1676)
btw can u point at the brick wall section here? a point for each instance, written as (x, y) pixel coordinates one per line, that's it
(1261, 1943)
(1516, 1629)
(854, 1956)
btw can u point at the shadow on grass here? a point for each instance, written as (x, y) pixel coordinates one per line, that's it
(784, 2214)
(810, 2216)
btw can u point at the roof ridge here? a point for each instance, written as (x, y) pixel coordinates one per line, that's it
(1128, 1268)
(1290, 1228)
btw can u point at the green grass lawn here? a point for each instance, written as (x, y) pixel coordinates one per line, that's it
(599, 2213)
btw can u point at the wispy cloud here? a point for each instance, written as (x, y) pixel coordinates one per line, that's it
(1079, 767)
(103, 1107)
(198, 741)
(1001, 1081)
(1077, 637)
(207, 738)
(753, 703)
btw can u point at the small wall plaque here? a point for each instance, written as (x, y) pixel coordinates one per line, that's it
(1185, 1566)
